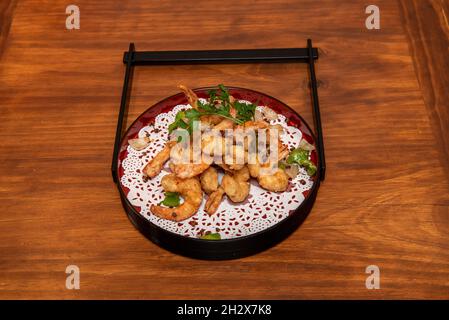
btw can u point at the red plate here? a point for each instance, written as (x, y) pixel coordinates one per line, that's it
(235, 223)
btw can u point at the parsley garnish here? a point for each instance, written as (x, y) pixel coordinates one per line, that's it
(245, 112)
(218, 104)
(178, 123)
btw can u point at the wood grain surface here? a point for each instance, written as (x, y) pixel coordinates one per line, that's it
(427, 26)
(385, 199)
(6, 14)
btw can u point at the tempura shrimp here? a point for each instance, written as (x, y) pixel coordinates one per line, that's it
(214, 200)
(213, 144)
(185, 163)
(224, 166)
(236, 157)
(252, 129)
(270, 178)
(209, 180)
(256, 168)
(189, 189)
(212, 119)
(269, 175)
(224, 124)
(153, 167)
(276, 182)
(258, 124)
(188, 170)
(236, 185)
(283, 150)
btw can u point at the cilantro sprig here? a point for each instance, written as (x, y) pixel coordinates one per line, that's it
(219, 103)
(245, 112)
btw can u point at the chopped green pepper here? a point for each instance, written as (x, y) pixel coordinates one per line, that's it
(171, 200)
(211, 236)
(301, 157)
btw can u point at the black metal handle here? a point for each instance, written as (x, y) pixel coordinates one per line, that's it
(221, 56)
(316, 112)
(123, 110)
(281, 55)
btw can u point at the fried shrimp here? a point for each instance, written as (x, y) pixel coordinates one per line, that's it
(188, 170)
(236, 157)
(259, 124)
(224, 124)
(189, 189)
(269, 176)
(236, 185)
(256, 169)
(185, 163)
(271, 179)
(213, 144)
(209, 180)
(153, 167)
(214, 200)
(224, 166)
(225, 142)
(283, 150)
(277, 182)
(212, 119)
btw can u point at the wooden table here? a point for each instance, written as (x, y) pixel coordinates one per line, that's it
(385, 113)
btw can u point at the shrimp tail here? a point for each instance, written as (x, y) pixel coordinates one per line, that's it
(190, 95)
(153, 167)
(214, 200)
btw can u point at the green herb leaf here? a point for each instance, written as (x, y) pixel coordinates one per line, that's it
(171, 200)
(180, 115)
(178, 123)
(224, 94)
(172, 127)
(211, 236)
(245, 112)
(186, 119)
(205, 107)
(223, 109)
(212, 95)
(192, 114)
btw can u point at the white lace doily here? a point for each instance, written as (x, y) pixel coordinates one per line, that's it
(261, 210)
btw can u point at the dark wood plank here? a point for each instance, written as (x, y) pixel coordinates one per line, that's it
(385, 200)
(6, 15)
(427, 27)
